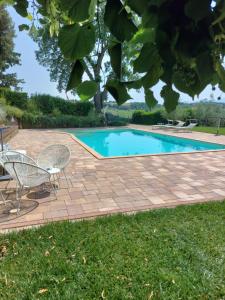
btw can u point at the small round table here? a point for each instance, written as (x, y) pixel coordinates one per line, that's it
(54, 172)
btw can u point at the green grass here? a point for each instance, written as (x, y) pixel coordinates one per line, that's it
(209, 129)
(121, 113)
(163, 254)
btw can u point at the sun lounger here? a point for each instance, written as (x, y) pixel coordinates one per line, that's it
(160, 125)
(187, 128)
(178, 125)
(168, 126)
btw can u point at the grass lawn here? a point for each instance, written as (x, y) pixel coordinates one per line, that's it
(163, 254)
(209, 129)
(121, 113)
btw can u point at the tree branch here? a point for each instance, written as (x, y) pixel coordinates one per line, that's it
(87, 71)
(99, 61)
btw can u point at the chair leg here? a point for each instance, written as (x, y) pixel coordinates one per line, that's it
(52, 188)
(19, 193)
(7, 184)
(67, 181)
(56, 179)
(3, 198)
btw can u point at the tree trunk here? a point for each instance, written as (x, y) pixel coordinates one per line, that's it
(97, 70)
(98, 101)
(104, 96)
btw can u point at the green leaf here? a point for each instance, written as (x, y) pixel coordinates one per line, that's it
(221, 17)
(64, 5)
(181, 83)
(158, 2)
(87, 90)
(144, 35)
(92, 8)
(153, 76)
(148, 57)
(80, 10)
(29, 17)
(150, 19)
(188, 82)
(75, 76)
(54, 28)
(76, 41)
(150, 99)
(198, 9)
(170, 98)
(135, 84)
(115, 53)
(204, 66)
(119, 21)
(139, 6)
(118, 91)
(33, 30)
(23, 27)
(221, 74)
(42, 21)
(21, 7)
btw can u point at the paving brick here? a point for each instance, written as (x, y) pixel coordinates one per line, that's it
(121, 185)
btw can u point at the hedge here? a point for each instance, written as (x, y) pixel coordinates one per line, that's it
(113, 120)
(14, 98)
(47, 104)
(30, 120)
(147, 118)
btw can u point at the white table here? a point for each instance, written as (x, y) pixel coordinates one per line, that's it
(13, 153)
(54, 172)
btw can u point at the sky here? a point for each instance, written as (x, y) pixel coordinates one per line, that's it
(37, 78)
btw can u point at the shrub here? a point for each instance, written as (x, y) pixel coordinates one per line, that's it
(83, 108)
(30, 120)
(113, 120)
(147, 118)
(14, 98)
(56, 112)
(47, 104)
(32, 107)
(13, 111)
(207, 113)
(2, 101)
(3, 114)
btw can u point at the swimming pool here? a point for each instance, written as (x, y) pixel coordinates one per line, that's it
(130, 142)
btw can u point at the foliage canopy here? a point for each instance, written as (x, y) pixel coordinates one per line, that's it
(95, 66)
(180, 42)
(8, 57)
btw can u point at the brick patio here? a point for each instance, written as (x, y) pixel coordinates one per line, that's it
(99, 187)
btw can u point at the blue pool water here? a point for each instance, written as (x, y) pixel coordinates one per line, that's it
(125, 142)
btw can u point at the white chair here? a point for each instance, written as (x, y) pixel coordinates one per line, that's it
(27, 176)
(15, 156)
(169, 126)
(54, 159)
(187, 128)
(178, 125)
(160, 125)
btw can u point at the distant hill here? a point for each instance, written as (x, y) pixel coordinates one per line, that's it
(192, 104)
(142, 105)
(128, 106)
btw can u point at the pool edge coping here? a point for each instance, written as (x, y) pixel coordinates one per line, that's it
(100, 157)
